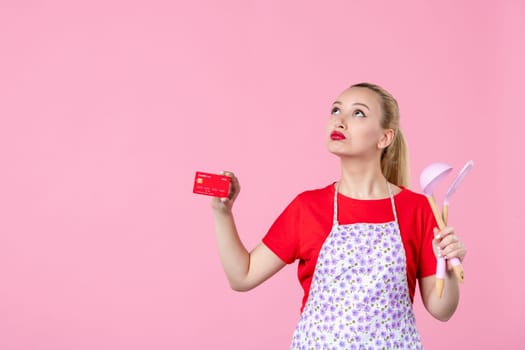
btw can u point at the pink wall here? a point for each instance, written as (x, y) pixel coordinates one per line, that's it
(108, 108)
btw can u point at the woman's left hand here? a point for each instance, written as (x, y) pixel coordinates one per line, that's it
(448, 244)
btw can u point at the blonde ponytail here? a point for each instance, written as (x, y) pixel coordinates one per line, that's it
(394, 160)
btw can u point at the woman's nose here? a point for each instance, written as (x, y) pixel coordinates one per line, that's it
(340, 125)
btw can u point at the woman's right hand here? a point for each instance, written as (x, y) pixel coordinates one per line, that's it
(226, 203)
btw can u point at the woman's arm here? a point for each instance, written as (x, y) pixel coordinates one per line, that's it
(441, 308)
(448, 244)
(244, 270)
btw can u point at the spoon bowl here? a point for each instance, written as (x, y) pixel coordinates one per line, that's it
(432, 175)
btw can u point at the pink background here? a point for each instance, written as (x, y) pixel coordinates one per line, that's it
(109, 107)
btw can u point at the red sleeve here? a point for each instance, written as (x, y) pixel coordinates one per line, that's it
(427, 259)
(283, 236)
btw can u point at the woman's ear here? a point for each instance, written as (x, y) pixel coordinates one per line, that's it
(387, 139)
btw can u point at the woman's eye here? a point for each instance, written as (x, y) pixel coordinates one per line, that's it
(359, 113)
(335, 111)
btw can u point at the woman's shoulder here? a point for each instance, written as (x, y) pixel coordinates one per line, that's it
(313, 198)
(316, 194)
(408, 194)
(407, 197)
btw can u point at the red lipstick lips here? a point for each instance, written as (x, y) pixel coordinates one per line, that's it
(336, 135)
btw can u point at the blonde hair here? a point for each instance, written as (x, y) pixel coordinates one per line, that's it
(394, 160)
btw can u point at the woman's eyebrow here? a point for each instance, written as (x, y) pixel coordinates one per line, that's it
(361, 104)
(354, 104)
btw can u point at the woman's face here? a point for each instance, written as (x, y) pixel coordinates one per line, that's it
(354, 128)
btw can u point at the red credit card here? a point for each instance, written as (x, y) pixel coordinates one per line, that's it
(211, 184)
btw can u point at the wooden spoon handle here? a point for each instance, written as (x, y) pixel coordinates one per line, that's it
(458, 269)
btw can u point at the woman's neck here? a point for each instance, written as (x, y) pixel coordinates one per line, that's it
(362, 180)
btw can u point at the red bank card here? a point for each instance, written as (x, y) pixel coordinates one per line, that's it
(211, 184)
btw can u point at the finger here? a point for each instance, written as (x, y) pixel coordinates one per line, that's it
(444, 241)
(235, 187)
(444, 232)
(234, 181)
(448, 249)
(233, 184)
(437, 234)
(460, 254)
(454, 250)
(232, 191)
(448, 240)
(442, 237)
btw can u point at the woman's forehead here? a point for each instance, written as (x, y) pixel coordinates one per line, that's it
(360, 95)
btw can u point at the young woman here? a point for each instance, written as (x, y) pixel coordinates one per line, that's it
(361, 242)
